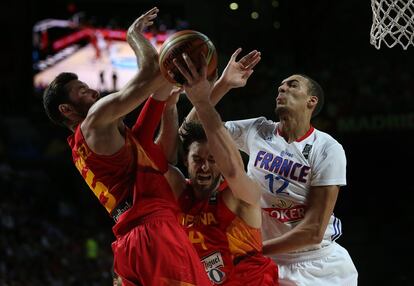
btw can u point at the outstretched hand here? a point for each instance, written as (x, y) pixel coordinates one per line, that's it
(237, 73)
(142, 22)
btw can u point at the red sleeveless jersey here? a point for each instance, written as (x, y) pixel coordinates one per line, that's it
(130, 173)
(220, 237)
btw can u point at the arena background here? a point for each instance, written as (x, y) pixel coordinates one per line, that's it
(53, 231)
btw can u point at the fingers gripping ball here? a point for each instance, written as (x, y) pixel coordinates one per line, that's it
(193, 43)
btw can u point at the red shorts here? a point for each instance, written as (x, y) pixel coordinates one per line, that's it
(155, 253)
(256, 270)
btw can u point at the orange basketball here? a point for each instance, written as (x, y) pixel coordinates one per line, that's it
(193, 43)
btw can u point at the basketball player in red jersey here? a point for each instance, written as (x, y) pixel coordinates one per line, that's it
(237, 207)
(222, 220)
(150, 247)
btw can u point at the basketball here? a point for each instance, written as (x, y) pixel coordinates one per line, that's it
(193, 43)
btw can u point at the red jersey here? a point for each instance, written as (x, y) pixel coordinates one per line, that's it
(151, 248)
(221, 238)
(130, 173)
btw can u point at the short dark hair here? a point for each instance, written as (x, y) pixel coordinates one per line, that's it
(191, 131)
(315, 89)
(56, 94)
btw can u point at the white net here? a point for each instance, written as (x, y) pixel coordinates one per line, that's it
(393, 23)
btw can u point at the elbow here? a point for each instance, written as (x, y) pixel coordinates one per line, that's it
(315, 235)
(316, 239)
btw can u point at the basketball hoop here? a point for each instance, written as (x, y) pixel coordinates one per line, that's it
(393, 23)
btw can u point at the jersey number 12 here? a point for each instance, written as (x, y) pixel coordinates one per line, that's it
(279, 181)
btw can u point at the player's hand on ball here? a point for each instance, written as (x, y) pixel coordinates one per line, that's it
(237, 73)
(192, 43)
(196, 85)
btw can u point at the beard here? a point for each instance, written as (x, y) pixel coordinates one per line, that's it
(82, 110)
(281, 110)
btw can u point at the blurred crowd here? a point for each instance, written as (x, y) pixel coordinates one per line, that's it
(53, 232)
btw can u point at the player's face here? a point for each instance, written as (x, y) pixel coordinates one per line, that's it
(292, 95)
(81, 96)
(202, 169)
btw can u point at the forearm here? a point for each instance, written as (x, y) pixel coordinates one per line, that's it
(221, 87)
(144, 51)
(311, 230)
(134, 93)
(298, 238)
(116, 105)
(168, 135)
(148, 68)
(140, 87)
(235, 75)
(226, 155)
(148, 78)
(219, 90)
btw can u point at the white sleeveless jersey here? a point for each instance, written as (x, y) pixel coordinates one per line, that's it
(286, 172)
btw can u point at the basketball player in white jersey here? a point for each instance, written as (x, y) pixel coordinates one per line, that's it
(300, 170)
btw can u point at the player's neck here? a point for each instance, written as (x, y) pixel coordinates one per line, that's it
(72, 125)
(293, 128)
(202, 194)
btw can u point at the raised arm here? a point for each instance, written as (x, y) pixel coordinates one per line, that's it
(116, 105)
(160, 106)
(144, 130)
(234, 75)
(162, 101)
(168, 135)
(222, 146)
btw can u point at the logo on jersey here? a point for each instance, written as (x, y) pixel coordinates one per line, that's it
(283, 153)
(204, 218)
(282, 166)
(306, 150)
(213, 264)
(285, 211)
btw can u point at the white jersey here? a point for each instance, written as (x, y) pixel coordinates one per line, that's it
(286, 171)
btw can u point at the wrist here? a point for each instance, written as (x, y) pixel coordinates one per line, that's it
(223, 84)
(169, 107)
(200, 102)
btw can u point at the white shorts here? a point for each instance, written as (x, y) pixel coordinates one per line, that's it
(330, 266)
